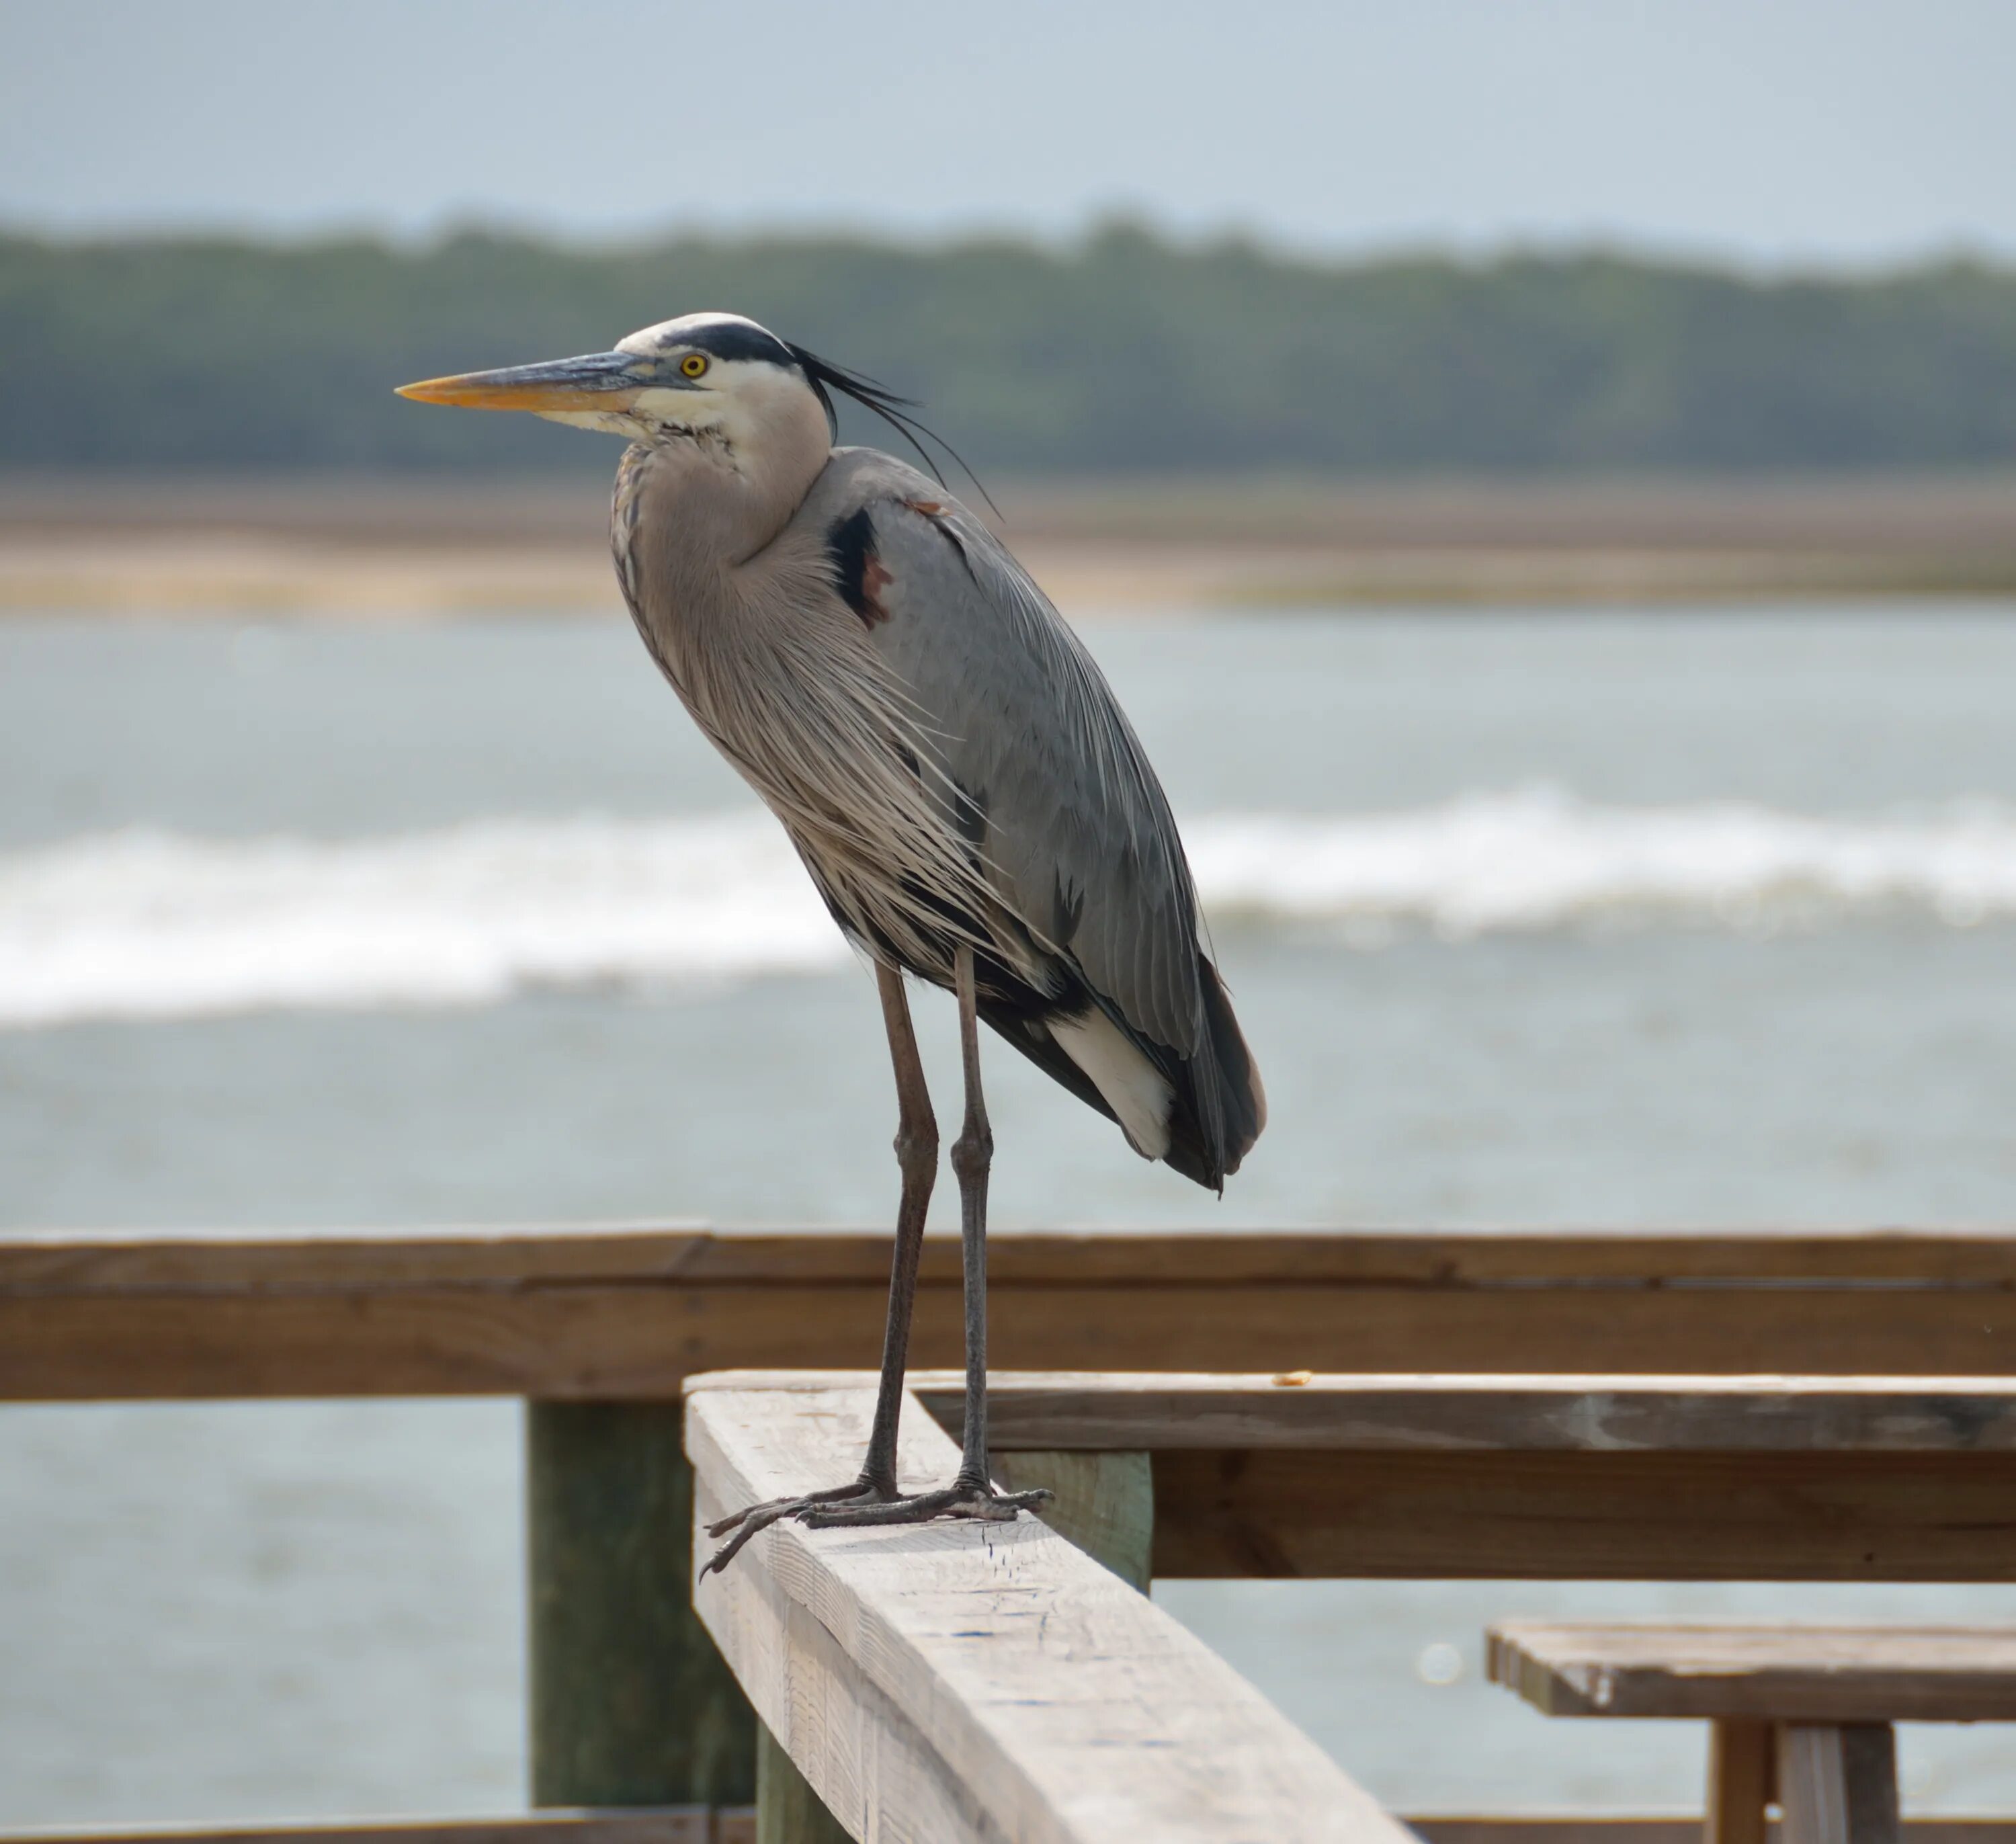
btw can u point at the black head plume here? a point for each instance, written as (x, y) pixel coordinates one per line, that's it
(825, 379)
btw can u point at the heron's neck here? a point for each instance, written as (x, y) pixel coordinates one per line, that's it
(694, 528)
(727, 494)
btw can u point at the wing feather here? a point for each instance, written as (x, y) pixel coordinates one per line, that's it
(1067, 824)
(1078, 835)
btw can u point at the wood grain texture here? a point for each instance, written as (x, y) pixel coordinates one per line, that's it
(985, 1681)
(1156, 1413)
(737, 1825)
(1760, 1669)
(1595, 1516)
(1579, 1829)
(681, 1824)
(75, 1261)
(603, 1314)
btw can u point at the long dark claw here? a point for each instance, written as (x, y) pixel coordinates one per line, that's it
(784, 1506)
(860, 1506)
(982, 1504)
(755, 1518)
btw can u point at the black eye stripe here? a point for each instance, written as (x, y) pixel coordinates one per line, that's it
(733, 339)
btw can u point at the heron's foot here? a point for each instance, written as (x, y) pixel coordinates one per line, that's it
(984, 1504)
(864, 1504)
(751, 1518)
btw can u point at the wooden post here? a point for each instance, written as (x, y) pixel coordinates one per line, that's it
(631, 1705)
(1740, 1763)
(1838, 1783)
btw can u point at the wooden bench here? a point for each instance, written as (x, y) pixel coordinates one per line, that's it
(1802, 1713)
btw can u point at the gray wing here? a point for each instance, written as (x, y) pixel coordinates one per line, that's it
(1071, 823)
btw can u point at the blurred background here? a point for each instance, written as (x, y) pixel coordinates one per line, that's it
(1541, 476)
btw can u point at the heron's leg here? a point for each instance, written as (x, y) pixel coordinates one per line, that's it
(972, 1493)
(917, 1155)
(972, 1160)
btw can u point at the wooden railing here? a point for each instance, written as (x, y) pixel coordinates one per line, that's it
(970, 1683)
(1333, 1473)
(626, 1314)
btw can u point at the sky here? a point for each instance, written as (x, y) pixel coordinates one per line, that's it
(1776, 133)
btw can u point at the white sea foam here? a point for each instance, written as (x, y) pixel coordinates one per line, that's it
(145, 925)
(1539, 859)
(154, 925)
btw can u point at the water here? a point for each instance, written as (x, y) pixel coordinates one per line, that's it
(1688, 918)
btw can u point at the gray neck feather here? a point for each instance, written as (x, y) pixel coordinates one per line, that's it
(734, 597)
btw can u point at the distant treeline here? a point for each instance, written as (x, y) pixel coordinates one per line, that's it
(1124, 353)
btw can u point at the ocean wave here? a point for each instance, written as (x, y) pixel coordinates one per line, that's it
(1539, 858)
(142, 925)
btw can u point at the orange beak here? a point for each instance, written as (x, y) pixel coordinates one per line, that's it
(597, 381)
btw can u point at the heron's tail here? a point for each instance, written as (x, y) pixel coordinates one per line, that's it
(1219, 1107)
(1200, 1114)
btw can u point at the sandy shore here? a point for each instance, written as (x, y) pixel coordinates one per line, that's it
(376, 548)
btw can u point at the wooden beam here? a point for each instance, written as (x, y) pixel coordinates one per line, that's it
(683, 1825)
(1765, 1670)
(71, 1261)
(962, 1682)
(1594, 1516)
(1159, 1413)
(629, 1313)
(1546, 1829)
(738, 1826)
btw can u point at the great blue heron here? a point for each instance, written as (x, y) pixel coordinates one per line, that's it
(956, 774)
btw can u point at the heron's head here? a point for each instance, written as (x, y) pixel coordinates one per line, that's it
(702, 375)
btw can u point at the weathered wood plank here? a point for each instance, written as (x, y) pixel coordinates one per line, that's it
(676, 1825)
(611, 1342)
(737, 1825)
(1156, 1413)
(603, 1314)
(1596, 1516)
(1768, 1670)
(85, 1260)
(983, 1681)
(1546, 1829)
(107, 1261)
(1613, 1478)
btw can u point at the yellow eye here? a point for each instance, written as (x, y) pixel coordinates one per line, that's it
(692, 366)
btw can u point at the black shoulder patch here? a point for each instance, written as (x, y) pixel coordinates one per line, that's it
(857, 574)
